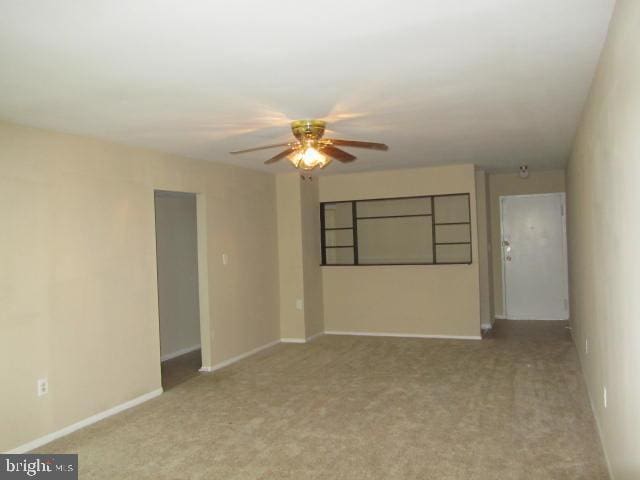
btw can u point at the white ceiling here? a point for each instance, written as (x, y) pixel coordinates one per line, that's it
(493, 82)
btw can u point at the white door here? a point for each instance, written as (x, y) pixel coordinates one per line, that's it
(534, 257)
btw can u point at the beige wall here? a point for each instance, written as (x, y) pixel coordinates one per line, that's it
(311, 259)
(511, 184)
(484, 262)
(299, 257)
(292, 324)
(177, 254)
(604, 234)
(394, 240)
(424, 300)
(78, 291)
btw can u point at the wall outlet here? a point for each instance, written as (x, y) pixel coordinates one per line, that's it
(299, 304)
(604, 396)
(42, 387)
(225, 259)
(586, 346)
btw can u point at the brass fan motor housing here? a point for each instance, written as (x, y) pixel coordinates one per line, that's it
(305, 130)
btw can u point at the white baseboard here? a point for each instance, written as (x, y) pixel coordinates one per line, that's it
(50, 437)
(237, 358)
(313, 337)
(293, 340)
(177, 353)
(405, 335)
(511, 317)
(528, 318)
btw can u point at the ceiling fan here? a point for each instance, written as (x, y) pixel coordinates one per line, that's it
(310, 150)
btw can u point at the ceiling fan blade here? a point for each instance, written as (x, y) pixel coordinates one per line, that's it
(264, 147)
(281, 155)
(338, 154)
(357, 144)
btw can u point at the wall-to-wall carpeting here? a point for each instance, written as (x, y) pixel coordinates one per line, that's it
(511, 406)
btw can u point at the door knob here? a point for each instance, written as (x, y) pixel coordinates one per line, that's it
(505, 243)
(508, 258)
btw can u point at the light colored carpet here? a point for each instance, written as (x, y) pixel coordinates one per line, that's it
(512, 406)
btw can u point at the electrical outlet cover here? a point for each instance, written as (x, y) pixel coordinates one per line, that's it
(42, 387)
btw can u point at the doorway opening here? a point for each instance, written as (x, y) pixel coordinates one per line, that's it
(534, 257)
(179, 289)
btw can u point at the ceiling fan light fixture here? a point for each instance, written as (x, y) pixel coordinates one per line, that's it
(308, 159)
(310, 150)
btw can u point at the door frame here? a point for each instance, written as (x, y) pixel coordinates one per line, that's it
(203, 273)
(563, 198)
